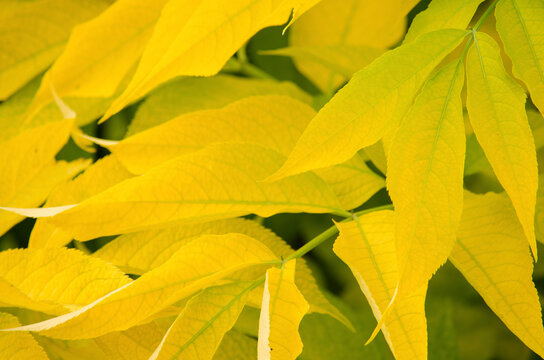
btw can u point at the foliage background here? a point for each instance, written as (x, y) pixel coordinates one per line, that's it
(460, 325)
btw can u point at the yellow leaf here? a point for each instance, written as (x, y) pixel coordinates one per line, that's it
(28, 169)
(27, 45)
(324, 62)
(56, 280)
(219, 181)
(496, 108)
(376, 154)
(492, 254)
(139, 252)
(352, 181)
(14, 119)
(218, 256)
(442, 14)
(12, 296)
(336, 24)
(519, 23)
(197, 93)
(20, 346)
(198, 37)
(539, 213)
(36, 190)
(136, 343)
(282, 310)
(367, 246)
(100, 176)
(199, 329)
(272, 121)
(370, 105)
(236, 345)
(425, 178)
(101, 52)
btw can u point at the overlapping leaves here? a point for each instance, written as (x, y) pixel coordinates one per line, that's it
(202, 152)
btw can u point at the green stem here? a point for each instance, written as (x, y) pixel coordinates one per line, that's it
(330, 232)
(253, 71)
(479, 24)
(242, 65)
(485, 15)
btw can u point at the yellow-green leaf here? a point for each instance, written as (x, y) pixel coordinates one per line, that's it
(496, 108)
(367, 246)
(56, 280)
(101, 52)
(519, 23)
(340, 61)
(493, 255)
(376, 154)
(33, 34)
(28, 169)
(442, 14)
(199, 329)
(20, 346)
(425, 178)
(371, 104)
(219, 181)
(236, 345)
(84, 349)
(356, 24)
(139, 252)
(536, 121)
(198, 37)
(197, 93)
(539, 213)
(282, 309)
(272, 121)
(218, 256)
(100, 176)
(353, 181)
(136, 343)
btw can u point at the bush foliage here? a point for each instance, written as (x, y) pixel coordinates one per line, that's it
(175, 153)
